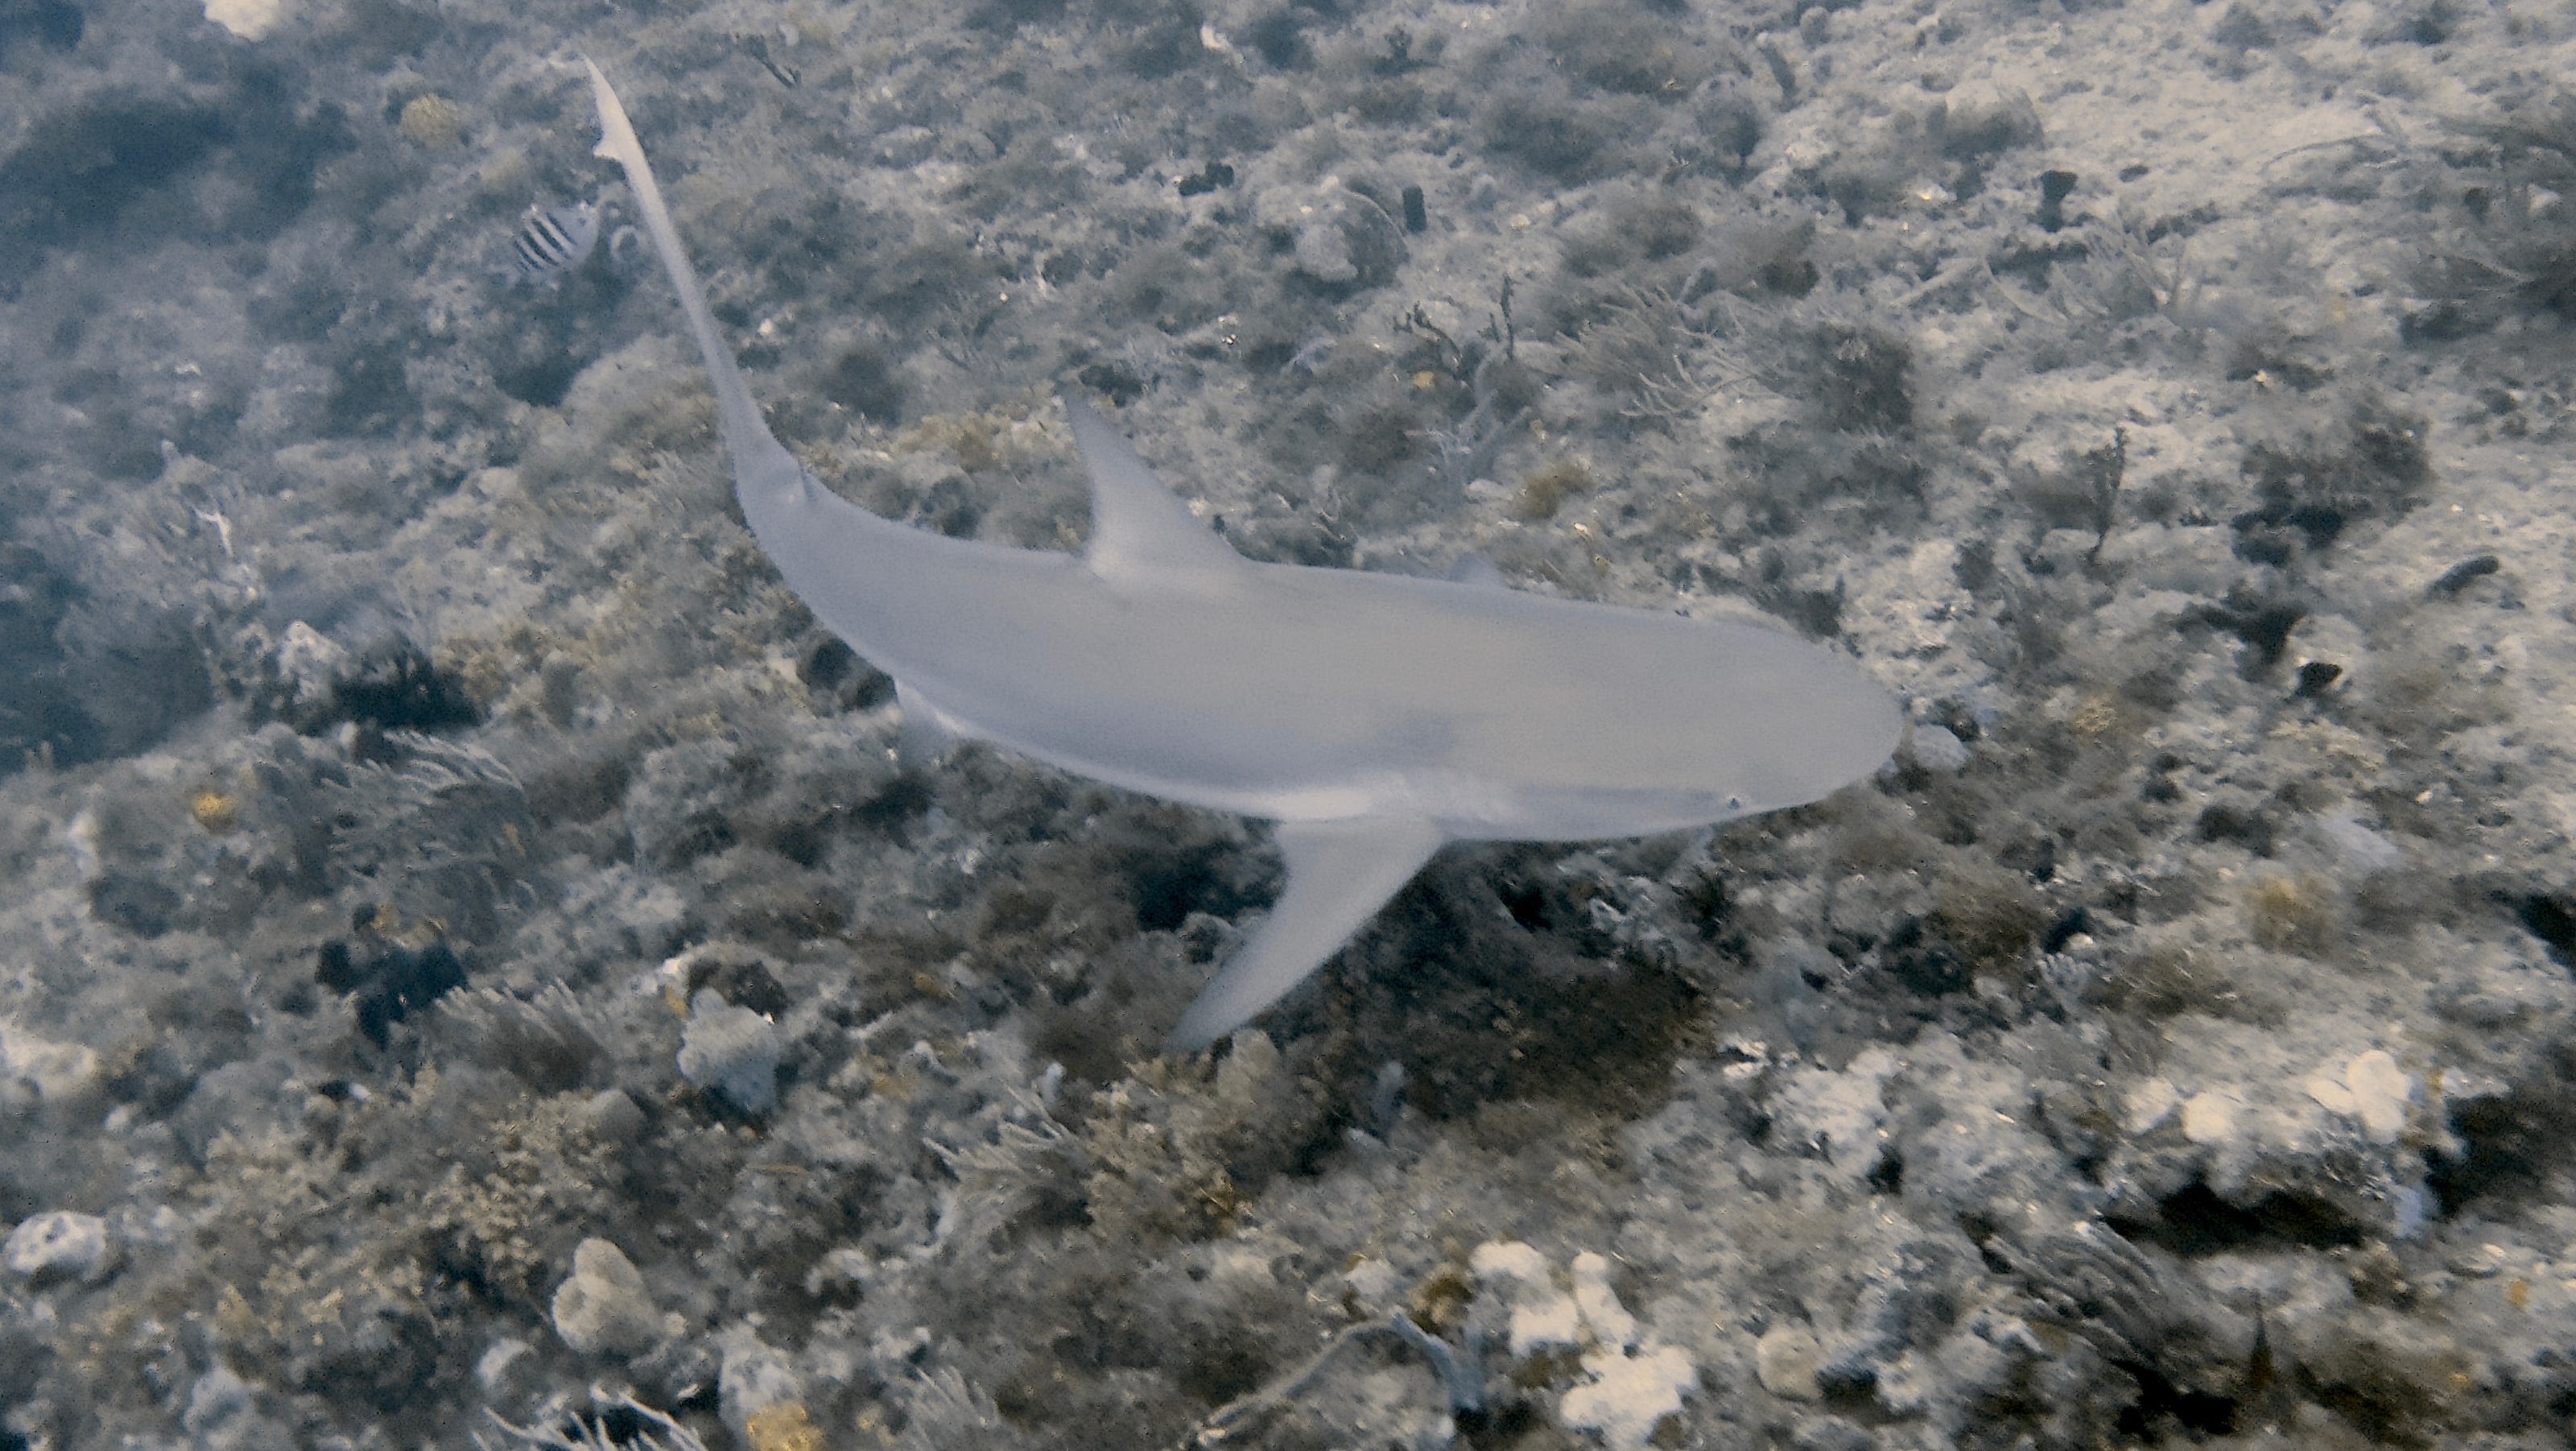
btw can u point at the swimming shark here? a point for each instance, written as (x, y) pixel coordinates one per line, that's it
(1373, 717)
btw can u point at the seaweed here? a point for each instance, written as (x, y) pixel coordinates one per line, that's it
(2084, 494)
(2317, 477)
(2512, 243)
(388, 979)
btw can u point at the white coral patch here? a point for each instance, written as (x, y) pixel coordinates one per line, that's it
(246, 19)
(2371, 1088)
(1632, 1383)
(1842, 1116)
(57, 1071)
(2210, 1117)
(1543, 1317)
(1629, 1394)
(1610, 1321)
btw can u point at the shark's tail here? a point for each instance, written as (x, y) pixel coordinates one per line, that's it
(759, 460)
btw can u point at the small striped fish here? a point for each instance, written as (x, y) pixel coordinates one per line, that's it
(551, 242)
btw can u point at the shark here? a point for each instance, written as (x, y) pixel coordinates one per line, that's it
(1372, 717)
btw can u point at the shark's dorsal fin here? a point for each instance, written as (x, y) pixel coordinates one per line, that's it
(1339, 874)
(1139, 528)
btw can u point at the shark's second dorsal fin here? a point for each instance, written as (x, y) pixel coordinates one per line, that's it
(1139, 528)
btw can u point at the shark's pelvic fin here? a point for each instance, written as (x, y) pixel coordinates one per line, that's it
(1139, 528)
(926, 734)
(1339, 874)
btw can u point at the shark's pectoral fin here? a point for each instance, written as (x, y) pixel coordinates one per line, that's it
(1139, 527)
(1339, 874)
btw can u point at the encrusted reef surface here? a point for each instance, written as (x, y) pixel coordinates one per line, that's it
(466, 937)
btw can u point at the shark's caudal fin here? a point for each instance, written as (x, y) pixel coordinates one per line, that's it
(759, 460)
(1339, 874)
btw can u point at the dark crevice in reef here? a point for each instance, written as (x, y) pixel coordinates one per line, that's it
(2551, 917)
(89, 680)
(2508, 1147)
(2194, 1221)
(121, 161)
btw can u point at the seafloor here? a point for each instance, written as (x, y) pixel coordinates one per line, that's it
(467, 939)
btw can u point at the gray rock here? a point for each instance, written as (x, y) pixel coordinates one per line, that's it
(1937, 749)
(612, 1117)
(1345, 239)
(604, 1309)
(1785, 1361)
(732, 1052)
(61, 1244)
(754, 1378)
